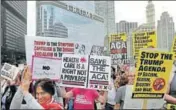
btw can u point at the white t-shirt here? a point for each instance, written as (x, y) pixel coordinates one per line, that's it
(111, 94)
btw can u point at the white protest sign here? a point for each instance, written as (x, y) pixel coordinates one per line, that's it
(9, 71)
(53, 47)
(45, 68)
(97, 50)
(74, 70)
(155, 103)
(21, 66)
(130, 103)
(99, 72)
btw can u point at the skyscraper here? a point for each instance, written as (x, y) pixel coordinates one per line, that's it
(13, 28)
(150, 13)
(46, 25)
(106, 9)
(165, 31)
(127, 27)
(150, 17)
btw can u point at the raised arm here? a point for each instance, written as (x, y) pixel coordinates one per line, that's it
(168, 97)
(31, 102)
(17, 99)
(65, 94)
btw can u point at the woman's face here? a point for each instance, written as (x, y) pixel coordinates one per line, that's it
(42, 96)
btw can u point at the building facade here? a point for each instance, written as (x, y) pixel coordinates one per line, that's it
(150, 14)
(46, 26)
(126, 27)
(106, 9)
(144, 27)
(13, 28)
(165, 31)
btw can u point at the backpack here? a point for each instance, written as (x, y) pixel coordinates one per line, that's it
(9, 94)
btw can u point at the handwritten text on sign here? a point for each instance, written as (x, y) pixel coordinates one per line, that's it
(74, 70)
(99, 72)
(45, 68)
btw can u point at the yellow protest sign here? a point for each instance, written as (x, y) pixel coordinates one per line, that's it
(117, 37)
(143, 40)
(173, 48)
(152, 74)
(171, 106)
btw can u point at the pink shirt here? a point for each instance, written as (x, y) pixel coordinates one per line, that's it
(84, 98)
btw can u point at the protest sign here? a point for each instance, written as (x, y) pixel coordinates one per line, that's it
(130, 103)
(171, 106)
(9, 71)
(118, 52)
(152, 74)
(74, 70)
(99, 72)
(155, 103)
(143, 40)
(45, 68)
(21, 66)
(173, 48)
(97, 50)
(53, 47)
(117, 37)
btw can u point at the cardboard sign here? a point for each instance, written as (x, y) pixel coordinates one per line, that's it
(143, 40)
(99, 72)
(9, 71)
(118, 52)
(74, 70)
(53, 47)
(152, 74)
(97, 50)
(130, 103)
(45, 68)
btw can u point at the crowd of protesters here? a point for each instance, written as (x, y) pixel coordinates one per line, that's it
(23, 93)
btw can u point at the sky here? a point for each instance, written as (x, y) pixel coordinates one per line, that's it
(132, 11)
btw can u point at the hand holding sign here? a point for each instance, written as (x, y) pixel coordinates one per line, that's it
(26, 80)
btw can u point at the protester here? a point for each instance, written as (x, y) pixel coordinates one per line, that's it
(111, 92)
(84, 98)
(9, 92)
(123, 80)
(120, 94)
(170, 95)
(57, 96)
(43, 90)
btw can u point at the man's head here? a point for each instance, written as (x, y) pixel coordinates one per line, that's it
(131, 77)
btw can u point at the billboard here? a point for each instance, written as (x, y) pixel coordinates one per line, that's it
(62, 20)
(88, 5)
